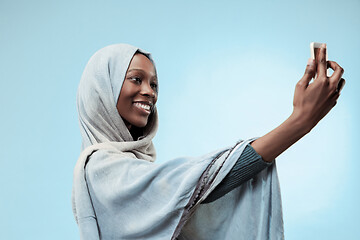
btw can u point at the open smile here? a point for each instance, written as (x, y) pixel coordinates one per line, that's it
(144, 106)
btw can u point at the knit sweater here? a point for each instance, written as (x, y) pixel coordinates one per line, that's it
(247, 166)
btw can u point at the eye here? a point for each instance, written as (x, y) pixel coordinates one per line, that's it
(136, 79)
(154, 86)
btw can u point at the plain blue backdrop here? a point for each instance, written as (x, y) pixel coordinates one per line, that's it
(227, 70)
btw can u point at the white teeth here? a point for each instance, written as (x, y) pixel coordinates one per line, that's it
(143, 106)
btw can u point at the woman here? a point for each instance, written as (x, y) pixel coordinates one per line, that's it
(233, 193)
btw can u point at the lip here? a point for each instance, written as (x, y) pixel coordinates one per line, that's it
(141, 109)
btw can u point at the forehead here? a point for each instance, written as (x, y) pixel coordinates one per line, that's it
(141, 62)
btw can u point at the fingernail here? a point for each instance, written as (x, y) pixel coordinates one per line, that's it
(310, 61)
(323, 45)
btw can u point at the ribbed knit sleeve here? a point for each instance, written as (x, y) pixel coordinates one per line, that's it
(247, 166)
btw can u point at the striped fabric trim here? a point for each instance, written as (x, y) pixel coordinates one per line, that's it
(247, 166)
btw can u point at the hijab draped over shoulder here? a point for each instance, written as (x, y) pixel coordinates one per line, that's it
(119, 192)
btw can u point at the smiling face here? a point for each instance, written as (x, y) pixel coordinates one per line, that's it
(138, 94)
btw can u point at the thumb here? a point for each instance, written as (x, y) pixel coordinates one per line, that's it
(309, 73)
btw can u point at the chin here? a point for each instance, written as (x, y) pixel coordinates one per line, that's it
(140, 123)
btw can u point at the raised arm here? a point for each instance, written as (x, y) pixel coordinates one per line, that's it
(312, 101)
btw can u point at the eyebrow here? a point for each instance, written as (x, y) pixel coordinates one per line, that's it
(140, 70)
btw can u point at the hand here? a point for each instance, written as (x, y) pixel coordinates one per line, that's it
(312, 101)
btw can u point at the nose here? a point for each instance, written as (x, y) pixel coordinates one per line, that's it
(146, 90)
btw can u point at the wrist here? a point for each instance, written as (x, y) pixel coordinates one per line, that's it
(300, 123)
(281, 138)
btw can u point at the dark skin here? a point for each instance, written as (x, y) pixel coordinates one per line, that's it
(312, 101)
(138, 94)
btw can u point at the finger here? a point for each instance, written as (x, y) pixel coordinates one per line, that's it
(338, 71)
(340, 85)
(321, 61)
(310, 71)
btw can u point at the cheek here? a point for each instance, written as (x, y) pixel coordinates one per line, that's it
(156, 98)
(127, 93)
(123, 103)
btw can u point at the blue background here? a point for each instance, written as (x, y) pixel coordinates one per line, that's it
(226, 70)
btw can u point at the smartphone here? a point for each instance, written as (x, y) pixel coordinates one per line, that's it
(315, 49)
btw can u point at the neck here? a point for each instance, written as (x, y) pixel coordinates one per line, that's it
(134, 131)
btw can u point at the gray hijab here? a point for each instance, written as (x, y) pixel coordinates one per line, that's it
(119, 192)
(97, 96)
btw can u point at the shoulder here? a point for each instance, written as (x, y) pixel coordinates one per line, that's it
(109, 162)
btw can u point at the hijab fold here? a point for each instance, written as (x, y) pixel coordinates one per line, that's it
(119, 192)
